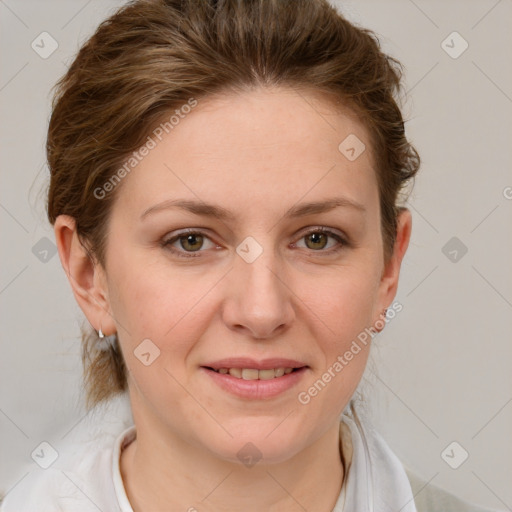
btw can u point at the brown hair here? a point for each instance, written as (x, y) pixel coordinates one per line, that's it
(153, 56)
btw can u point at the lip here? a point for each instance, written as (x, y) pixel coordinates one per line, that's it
(256, 389)
(246, 362)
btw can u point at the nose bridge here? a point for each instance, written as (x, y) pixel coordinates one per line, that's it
(258, 299)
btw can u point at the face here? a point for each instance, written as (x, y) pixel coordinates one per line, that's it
(214, 257)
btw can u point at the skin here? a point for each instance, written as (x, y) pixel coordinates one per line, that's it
(257, 154)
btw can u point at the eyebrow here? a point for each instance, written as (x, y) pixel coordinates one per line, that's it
(211, 210)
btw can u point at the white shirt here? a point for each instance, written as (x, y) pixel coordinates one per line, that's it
(86, 476)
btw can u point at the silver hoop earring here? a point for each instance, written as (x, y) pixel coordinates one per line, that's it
(105, 343)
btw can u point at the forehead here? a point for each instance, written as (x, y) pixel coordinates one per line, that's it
(256, 148)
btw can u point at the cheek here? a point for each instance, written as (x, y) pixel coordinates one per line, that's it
(341, 311)
(151, 301)
(344, 340)
(157, 305)
(342, 302)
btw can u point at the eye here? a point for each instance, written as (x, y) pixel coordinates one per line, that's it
(188, 242)
(185, 243)
(317, 239)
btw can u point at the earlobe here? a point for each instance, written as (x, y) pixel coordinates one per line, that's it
(85, 275)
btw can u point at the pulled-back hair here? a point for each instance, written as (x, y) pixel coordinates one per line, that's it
(153, 56)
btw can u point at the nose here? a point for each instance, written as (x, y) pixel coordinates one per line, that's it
(258, 298)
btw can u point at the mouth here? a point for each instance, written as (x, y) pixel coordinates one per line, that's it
(253, 380)
(254, 373)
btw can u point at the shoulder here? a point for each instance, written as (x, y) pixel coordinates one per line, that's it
(74, 479)
(80, 478)
(430, 498)
(393, 482)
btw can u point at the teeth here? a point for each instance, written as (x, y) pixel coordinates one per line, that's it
(249, 374)
(266, 374)
(254, 374)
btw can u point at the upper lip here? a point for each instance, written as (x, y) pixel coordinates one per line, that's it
(247, 362)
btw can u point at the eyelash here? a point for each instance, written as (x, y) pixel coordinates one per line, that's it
(183, 254)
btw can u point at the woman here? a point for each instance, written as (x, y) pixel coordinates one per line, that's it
(225, 191)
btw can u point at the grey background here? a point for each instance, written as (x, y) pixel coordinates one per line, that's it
(440, 371)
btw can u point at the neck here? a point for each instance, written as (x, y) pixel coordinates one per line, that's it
(171, 474)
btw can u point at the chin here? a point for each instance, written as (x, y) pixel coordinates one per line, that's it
(268, 440)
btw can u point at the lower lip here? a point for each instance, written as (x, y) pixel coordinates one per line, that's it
(256, 389)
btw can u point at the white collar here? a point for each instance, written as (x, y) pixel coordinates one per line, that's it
(375, 480)
(123, 440)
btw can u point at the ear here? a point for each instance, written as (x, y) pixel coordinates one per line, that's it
(389, 279)
(86, 276)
